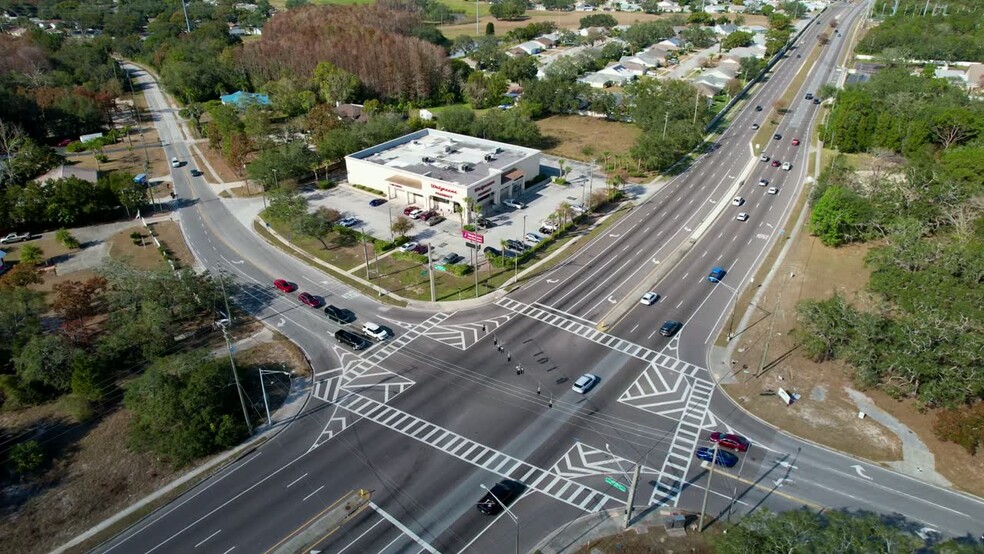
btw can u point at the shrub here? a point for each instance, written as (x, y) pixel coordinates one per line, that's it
(80, 409)
(963, 426)
(412, 256)
(65, 237)
(26, 457)
(75, 146)
(469, 227)
(369, 189)
(325, 184)
(559, 181)
(381, 246)
(459, 269)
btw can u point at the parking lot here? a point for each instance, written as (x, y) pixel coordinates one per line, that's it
(541, 201)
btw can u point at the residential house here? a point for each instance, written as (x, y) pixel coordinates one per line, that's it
(241, 99)
(653, 56)
(634, 65)
(593, 30)
(672, 43)
(724, 30)
(754, 29)
(352, 112)
(546, 41)
(745, 52)
(706, 89)
(975, 77)
(715, 9)
(582, 7)
(530, 47)
(669, 7)
(955, 76)
(613, 75)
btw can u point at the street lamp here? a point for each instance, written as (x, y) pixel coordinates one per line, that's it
(524, 226)
(508, 512)
(275, 183)
(246, 179)
(266, 404)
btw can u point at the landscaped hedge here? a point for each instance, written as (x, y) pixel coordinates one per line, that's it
(369, 189)
(412, 256)
(459, 269)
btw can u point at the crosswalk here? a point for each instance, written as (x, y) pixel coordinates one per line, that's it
(541, 480)
(583, 460)
(594, 335)
(681, 451)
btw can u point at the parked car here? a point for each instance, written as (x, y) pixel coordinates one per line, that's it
(64, 142)
(724, 458)
(670, 328)
(484, 223)
(763, 182)
(716, 274)
(734, 442)
(502, 494)
(786, 166)
(354, 340)
(450, 258)
(737, 201)
(550, 226)
(796, 142)
(513, 203)
(374, 331)
(338, 315)
(428, 214)
(435, 220)
(545, 230)
(490, 251)
(516, 246)
(348, 222)
(532, 238)
(409, 210)
(416, 213)
(777, 136)
(742, 216)
(755, 126)
(284, 285)
(773, 190)
(309, 299)
(377, 202)
(409, 246)
(764, 158)
(776, 163)
(585, 383)
(649, 298)
(15, 237)
(579, 209)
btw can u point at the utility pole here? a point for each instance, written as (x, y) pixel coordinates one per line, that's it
(430, 273)
(366, 252)
(703, 507)
(632, 493)
(225, 333)
(184, 7)
(666, 120)
(476, 271)
(266, 403)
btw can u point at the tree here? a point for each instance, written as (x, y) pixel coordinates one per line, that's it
(285, 206)
(26, 457)
(598, 20)
(645, 34)
(508, 126)
(315, 225)
(334, 84)
(489, 29)
(78, 300)
(732, 87)
(457, 119)
(402, 226)
(31, 254)
(737, 39)
(488, 55)
(519, 69)
(700, 18)
(698, 37)
(46, 360)
(508, 9)
(132, 196)
(823, 38)
(780, 105)
(277, 166)
(64, 236)
(21, 275)
(484, 91)
(804, 530)
(840, 216)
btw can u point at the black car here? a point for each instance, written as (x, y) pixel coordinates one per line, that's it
(502, 494)
(377, 202)
(338, 315)
(809, 96)
(484, 223)
(545, 231)
(816, 100)
(670, 328)
(758, 108)
(777, 136)
(357, 342)
(490, 251)
(516, 246)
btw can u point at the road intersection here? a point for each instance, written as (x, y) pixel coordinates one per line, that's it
(426, 418)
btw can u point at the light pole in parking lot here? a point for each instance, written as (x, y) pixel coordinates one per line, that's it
(524, 226)
(508, 512)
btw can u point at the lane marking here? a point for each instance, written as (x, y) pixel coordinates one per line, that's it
(208, 537)
(360, 536)
(313, 493)
(403, 528)
(294, 482)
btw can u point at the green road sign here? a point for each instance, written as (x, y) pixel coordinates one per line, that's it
(615, 484)
(439, 267)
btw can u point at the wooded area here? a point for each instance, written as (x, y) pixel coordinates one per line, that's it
(926, 31)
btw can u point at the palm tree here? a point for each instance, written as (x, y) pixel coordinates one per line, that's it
(564, 213)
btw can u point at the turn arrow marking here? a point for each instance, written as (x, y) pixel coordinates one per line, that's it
(860, 471)
(281, 323)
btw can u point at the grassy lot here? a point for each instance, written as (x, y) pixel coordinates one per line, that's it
(341, 254)
(571, 134)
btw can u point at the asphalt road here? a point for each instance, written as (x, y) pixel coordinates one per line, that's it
(428, 417)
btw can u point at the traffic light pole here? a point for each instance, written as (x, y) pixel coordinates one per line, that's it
(703, 507)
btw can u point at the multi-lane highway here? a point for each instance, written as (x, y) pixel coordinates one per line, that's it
(427, 418)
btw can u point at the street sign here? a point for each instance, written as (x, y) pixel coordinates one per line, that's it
(473, 237)
(439, 267)
(616, 484)
(472, 245)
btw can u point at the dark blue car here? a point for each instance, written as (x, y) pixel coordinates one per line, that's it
(377, 202)
(717, 274)
(726, 459)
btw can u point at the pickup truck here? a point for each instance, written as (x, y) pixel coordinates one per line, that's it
(14, 237)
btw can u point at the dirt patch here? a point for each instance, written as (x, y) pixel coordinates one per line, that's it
(573, 134)
(763, 365)
(169, 233)
(278, 354)
(649, 540)
(222, 172)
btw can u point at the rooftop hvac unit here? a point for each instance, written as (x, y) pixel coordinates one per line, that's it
(489, 157)
(428, 160)
(464, 166)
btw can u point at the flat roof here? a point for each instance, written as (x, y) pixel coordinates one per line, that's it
(444, 156)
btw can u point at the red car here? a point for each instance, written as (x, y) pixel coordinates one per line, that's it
(409, 209)
(309, 299)
(776, 163)
(284, 285)
(796, 142)
(64, 142)
(734, 442)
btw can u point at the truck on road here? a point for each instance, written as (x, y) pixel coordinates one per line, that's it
(15, 237)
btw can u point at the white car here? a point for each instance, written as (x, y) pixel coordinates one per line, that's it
(375, 331)
(579, 209)
(764, 158)
(585, 382)
(533, 238)
(409, 247)
(348, 222)
(175, 162)
(513, 203)
(416, 213)
(773, 190)
(737, 201)
(786, 166)
(763, 182)
(548, 225)
(649, 298)
(742, 216)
